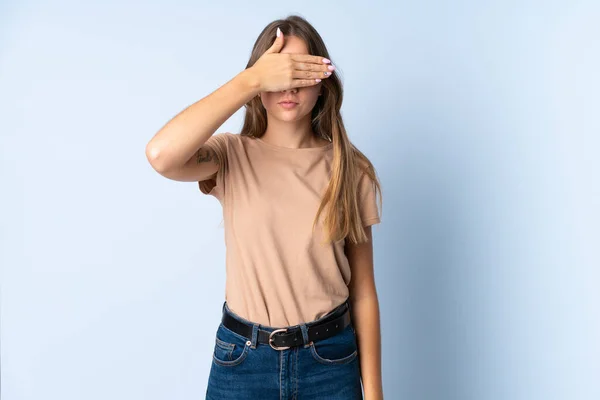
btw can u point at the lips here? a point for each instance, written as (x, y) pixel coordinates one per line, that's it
(287, 102)
(288, 106)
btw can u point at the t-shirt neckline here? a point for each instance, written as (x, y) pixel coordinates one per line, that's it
(303, 149)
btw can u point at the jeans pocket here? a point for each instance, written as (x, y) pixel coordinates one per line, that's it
(230, 348)
(338, 349)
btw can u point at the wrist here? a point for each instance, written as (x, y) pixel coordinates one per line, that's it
(250, 81)
(373, 393)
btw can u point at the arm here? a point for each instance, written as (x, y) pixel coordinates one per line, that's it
(175, 150)
(365, 315)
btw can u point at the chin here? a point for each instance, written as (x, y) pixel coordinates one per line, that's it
(289, 117)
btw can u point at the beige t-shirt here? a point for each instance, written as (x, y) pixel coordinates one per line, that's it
(277, 271)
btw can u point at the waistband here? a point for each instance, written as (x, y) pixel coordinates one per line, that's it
(335, 312)
(281, 338)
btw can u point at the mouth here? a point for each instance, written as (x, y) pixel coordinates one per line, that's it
(288, 104)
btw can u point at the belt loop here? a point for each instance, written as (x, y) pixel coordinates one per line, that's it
(304, 330)
(254, 339)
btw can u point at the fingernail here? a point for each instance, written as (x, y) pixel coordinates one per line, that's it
(278, 32)
(325, 60)
(331, 67)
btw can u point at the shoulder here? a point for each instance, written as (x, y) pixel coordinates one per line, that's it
(227, 136)
(232, 143)
(224, 140)
(235, 138)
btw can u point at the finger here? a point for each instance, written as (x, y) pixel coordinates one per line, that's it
(299, 66)
(308, 58)
(277, 44)
(304, 82)
(310, 74)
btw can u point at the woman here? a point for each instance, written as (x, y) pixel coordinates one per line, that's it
(301, 315)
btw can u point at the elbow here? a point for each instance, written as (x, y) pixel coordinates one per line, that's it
(157, 158)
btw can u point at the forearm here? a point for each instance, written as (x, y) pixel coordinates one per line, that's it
(175, 143)
(365, 316)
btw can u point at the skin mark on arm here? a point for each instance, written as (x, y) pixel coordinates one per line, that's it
(205, 155)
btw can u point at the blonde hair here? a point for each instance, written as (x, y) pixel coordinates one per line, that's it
(341, 197)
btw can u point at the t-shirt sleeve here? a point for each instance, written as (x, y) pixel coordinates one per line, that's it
(219, 144)
(367, 202)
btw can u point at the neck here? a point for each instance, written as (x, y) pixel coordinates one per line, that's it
(293, 134)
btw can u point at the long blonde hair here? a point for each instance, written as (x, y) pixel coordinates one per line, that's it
(341, 197)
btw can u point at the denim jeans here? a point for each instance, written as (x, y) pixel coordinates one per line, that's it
(244, 369)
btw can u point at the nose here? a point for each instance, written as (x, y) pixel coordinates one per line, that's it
(293, 90)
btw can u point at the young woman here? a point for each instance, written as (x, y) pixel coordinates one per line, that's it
(301, 314)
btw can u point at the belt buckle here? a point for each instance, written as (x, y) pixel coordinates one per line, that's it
(271, 339)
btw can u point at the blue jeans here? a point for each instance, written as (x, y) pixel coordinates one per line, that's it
(244, 369)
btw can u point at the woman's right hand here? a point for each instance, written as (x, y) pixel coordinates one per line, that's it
(279, 71)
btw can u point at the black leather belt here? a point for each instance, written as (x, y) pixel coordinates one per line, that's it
(284, 338)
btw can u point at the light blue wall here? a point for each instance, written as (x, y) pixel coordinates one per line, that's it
(481, 119)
